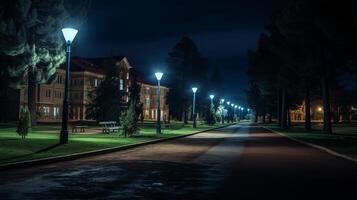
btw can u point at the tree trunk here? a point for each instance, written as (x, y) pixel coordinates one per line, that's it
(289, 118)
(326, 103)
(307, 110)
(185, 116)
(264, 115)
(283, 109)
(256, 117)
(278, 112)
(31, 96)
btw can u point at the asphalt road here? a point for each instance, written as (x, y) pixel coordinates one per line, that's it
(237, 162)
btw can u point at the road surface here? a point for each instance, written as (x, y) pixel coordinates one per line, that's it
(238, 162)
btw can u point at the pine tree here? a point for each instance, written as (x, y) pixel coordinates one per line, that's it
(24, 124)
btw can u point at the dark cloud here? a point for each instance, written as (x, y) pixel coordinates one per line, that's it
(146, 30)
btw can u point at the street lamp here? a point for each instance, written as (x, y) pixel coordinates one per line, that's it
(211, 97)
(194, 90)
(69, 35)
(222, 100)
(158, 115)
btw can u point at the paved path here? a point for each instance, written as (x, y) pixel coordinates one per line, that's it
(237, 162)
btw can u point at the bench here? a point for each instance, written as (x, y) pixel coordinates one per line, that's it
(109, 127)
(81, 128)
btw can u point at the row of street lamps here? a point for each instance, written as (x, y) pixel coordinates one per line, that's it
(69, 35)
(194, 90)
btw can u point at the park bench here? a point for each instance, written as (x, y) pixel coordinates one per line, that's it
(109, 127)
(81, 128)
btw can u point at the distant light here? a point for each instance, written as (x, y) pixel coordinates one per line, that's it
(194, 89)
(211, 96)
(228, 102)
(159, 75)
(235, 106)
(222, 100)
(69, 34)
(319, 109)
(232, 105)
(239, 107)
(248, 109)
(242, 108)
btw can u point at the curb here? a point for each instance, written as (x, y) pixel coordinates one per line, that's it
(50, 160)
(329, 151)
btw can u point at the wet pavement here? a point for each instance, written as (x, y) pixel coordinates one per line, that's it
(237, 162)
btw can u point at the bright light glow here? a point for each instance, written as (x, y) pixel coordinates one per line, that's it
(69, 34)
(248, 109)
(235, 106)
(211, 96)
(232, 105)
(194, 89)
(222, 100)
(159, 75)
(228, 102)
(239, 107)
(319, 109)
(242, 108)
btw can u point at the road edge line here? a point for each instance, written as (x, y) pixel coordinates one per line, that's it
(74, 156)
(325, 149)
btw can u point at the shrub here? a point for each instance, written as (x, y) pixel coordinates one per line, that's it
(24, 124)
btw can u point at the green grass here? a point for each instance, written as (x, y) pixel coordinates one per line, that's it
(42, 140)
(345, 143)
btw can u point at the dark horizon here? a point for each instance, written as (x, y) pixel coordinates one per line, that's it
(222, 33)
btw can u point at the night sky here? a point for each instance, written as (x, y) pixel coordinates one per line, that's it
(145, 31)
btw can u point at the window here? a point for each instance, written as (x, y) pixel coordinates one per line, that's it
(47, 93)
(147, 101)
(46, 110)
(56, 112)
(121, 84)
(127, 75)
(95, 82)
(147, 89)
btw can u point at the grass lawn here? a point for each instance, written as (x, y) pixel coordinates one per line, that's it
(42, 140)
(343, 141)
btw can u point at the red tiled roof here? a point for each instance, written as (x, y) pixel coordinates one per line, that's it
(80, 64)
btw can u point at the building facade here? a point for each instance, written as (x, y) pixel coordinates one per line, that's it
(86, 75)
(148, 97)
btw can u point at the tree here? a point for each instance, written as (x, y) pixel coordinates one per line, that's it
(106, 100)
(210, 115)
(130, 117)
(24, 124)
(187, 68)
(31, 41)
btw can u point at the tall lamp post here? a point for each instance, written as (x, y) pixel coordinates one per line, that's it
(222, 114)
(158, 116)
(69, 35)
(235, 107)
(194, 90)
(232, 112)
(211, 97)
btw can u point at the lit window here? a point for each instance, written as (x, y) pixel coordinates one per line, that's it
(121, 84)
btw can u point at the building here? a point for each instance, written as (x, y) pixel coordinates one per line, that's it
(86, 75)
(148, 97)
(316, 111)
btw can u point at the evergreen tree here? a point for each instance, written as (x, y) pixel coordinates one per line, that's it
(130, 117)
(107, 100)
(24, 124)
(187, 68)
(32, 43)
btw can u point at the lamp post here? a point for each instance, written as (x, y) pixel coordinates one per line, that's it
(158, 115)
(235, 107)
(222, 107)
(194, 90)
(69, 35)
(211, 97)
(232, 112)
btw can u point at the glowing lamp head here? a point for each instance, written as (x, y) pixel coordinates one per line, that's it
(159, 75)
(222, 100)
(211, 96)
(194, 89)
(228, 102)
(69, 34)
(235, 106)
(232, 105)
(319, 109)
(248, 109)
(242, 108)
